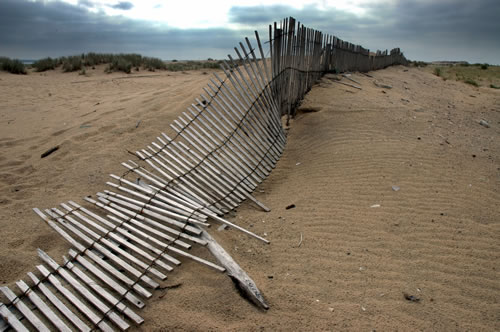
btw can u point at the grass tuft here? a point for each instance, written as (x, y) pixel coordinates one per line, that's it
(45, 64)
(471, 82)
(437, 71)
(13, 66)
(153, 64)
(71, 63)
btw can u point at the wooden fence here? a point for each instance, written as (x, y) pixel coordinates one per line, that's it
(128, 237)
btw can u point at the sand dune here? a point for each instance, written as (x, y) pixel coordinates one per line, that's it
(344, 257)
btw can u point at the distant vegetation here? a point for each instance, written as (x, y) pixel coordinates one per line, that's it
(193, 65)
(478, 74)
(13, 66)
(418, 63)
(114, 62)
(45, 64)
(471, 82)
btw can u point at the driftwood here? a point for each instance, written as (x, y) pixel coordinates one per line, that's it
(237, 274)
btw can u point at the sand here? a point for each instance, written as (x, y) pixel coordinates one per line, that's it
(396, 191)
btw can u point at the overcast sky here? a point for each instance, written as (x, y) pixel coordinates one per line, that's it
(183, 29)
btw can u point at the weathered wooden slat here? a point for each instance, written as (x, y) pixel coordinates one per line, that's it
(198, 172)
(197, 140)
(124, 242)
(12, 319)
(209, 165)
(104, 293)
(207, 190)
(129, 295)
(65, 274)
(117, 210)
(119, 261)
(42, 306)
(174, 192)
(75, 320)
(193, 217)
(133, 209)
(82, 249)
(195, 191)
(84, 309)
(113, 246)
(23, 308)
(176, 204)
(170, 248)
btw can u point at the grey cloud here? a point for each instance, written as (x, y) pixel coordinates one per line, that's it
(86, 3)
(123, 5)
(32, 30)
(426, 30)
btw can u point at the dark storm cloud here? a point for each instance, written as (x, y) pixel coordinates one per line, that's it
(32, 30)
(424, 30)
(123, 5)
(428, 30)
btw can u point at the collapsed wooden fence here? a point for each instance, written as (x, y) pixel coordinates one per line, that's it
(128, 237)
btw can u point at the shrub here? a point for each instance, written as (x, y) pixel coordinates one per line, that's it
(120, 64)
(152, 64)
(419, 64)
(92, 59)
(45, 64)
(132, 58)
(471, 82)
(437, 71)
(13, 66)
(174, 67)
(72, 63)
(484, 66)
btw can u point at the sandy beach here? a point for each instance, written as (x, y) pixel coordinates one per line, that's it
(396, 194)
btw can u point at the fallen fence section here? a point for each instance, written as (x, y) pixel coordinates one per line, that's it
(127, 238)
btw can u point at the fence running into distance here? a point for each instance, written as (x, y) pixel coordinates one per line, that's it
(226, 143)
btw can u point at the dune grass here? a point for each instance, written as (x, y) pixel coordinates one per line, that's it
(13, 66)
(125, 62)
(476, 74)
